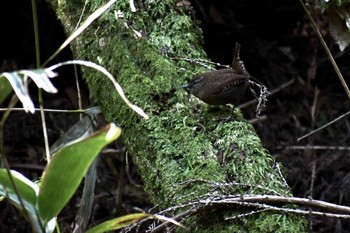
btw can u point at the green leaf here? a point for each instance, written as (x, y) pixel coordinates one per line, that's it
(5, 89)
(26, 188)
(27, 191)
(118, 223)
(67, 168)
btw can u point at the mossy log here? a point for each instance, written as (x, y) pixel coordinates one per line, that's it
(183, 148)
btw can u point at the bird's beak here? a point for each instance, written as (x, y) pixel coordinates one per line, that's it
(184, 86)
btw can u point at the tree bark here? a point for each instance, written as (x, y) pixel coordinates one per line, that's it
(183, 148)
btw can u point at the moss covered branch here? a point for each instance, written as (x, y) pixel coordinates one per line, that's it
(183, 140)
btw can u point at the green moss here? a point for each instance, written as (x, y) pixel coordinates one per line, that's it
(184, 141)
(265, 222)
(268, 222)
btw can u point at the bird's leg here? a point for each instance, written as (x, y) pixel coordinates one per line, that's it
(230, 117)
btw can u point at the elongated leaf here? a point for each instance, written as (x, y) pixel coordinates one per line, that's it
(26, 188)
(41, 78)
(67, 168)
(28, 194)
(103, 70)
(118, 223)
(19, 84)
(126, 220)
(20, 89)
(5, 89)
(79, 130)
(82, 27)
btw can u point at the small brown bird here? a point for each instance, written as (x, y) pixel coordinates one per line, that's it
(220, 87)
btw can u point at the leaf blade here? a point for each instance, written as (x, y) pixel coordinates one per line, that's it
(67, 168)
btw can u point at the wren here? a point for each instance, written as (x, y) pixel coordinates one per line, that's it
(224, 86)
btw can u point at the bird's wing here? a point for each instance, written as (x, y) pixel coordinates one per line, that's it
(227, 81)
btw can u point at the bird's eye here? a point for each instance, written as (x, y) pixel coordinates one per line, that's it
(198, 80)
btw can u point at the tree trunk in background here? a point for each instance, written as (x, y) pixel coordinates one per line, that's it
(183, 146)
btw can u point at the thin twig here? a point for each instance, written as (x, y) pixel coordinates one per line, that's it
(329, 54)
(88, 110)
(324, 126)
(318, 147)
(274, 91)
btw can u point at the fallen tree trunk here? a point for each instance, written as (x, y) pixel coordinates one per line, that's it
(183, 151)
